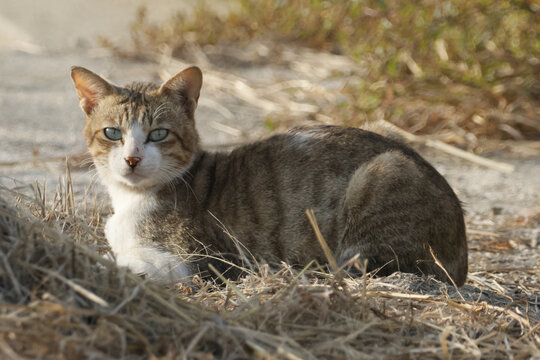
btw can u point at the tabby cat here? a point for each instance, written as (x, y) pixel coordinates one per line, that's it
(179, 208)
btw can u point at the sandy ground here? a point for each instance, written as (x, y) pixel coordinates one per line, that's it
(41, 123)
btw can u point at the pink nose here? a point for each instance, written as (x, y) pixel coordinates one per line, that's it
(132, 161)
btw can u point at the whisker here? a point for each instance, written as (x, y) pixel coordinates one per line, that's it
(160, 110)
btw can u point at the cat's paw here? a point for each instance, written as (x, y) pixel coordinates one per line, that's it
(158, 265)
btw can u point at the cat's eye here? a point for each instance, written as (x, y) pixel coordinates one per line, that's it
(158, 135)
(113, 134)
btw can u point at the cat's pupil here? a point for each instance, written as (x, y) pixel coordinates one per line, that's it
(158, 135)
(113, 134)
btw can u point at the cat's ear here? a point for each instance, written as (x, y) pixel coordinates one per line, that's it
(90, 87)
(185, 87)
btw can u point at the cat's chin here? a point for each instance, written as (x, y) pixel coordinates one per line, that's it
(135, 181)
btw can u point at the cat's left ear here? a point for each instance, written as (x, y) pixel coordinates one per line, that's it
(185, 87)
(90, 87)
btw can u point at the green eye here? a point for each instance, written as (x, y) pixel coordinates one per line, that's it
(113, 134)
(158, 135)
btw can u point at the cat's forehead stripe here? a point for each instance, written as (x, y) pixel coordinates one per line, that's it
(136, 93)
(135, 114)
(136, 104)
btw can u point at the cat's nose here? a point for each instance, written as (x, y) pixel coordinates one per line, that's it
(132, 161)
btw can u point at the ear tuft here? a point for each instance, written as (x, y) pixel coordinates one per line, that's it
(185, 87)
(90, 87)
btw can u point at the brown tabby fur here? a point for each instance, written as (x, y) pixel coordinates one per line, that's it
(371, 195)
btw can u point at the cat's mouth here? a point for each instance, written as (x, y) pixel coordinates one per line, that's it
(133, 178)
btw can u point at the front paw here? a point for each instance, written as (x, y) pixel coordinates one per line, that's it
(157, 265)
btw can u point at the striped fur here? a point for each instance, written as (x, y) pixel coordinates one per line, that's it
(372, 196)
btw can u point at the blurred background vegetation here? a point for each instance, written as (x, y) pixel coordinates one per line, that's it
(461, 69)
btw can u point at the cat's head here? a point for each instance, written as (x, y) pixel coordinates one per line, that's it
(141, 135)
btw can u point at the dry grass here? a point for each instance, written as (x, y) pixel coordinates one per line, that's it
(463, 70)
(59, 298)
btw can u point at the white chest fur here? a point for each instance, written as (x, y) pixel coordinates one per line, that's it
(130, 250)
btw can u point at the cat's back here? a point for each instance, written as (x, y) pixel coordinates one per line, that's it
(304, 164)
(316, 147)
(341, 150)
(307, 167)
(321, 152)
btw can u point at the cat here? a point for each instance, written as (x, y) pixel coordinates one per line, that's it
(179, 209)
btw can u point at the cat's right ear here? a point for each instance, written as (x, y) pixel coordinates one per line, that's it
(90, 87)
